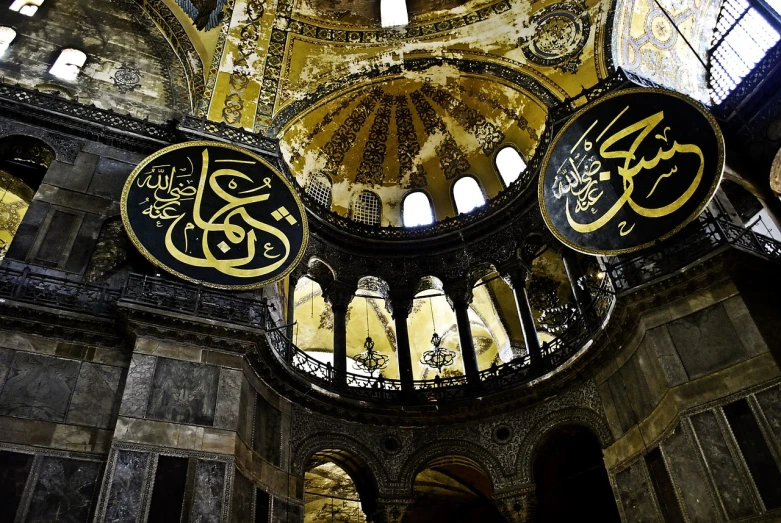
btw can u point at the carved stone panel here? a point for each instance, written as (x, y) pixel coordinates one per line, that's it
(65, 490)
(38, 387)
(184, 392)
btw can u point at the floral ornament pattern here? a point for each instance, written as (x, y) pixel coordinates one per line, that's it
(560, 34)
(127, 78)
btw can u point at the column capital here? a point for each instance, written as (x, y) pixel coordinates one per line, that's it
(389, 510)
(458, 292)
(399, 302)
(339, 295)
(515, 275)
(516, 507)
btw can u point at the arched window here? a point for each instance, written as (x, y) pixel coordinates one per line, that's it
(467, 195)
(509, 164)
(393, 13)
(7, 36)
(742, 38)
(23, 164)
(416, 210)
(68, 64)
(26, 7)
(367, 208)
(319, 189)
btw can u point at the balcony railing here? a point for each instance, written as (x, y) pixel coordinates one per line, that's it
(693, 243)
(26, 286)
(697, 241)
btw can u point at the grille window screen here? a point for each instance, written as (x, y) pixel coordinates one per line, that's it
(367, 208)
(319, 190)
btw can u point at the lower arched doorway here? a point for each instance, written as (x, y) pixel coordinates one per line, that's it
(572, 482)
(455, 491)
(337, 489)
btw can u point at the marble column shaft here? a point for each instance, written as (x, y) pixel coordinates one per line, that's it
(517, 279)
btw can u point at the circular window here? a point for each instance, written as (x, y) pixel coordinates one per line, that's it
(502, 434)
(391, 445)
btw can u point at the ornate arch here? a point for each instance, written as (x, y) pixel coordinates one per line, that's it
(185, 68)
(303, 452)
(418, 461)
(582, 417)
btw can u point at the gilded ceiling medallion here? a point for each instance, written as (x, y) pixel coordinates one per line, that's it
(560, 34)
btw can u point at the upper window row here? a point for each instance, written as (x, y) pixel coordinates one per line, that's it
(26, 7)
(67, 66)
(416, 207)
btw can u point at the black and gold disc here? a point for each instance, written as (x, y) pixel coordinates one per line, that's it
(629, 170)
(215, 214)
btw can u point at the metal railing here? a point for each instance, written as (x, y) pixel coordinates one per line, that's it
(699, 239)
(26, 286)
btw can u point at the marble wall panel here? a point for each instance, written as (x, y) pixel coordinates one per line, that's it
(729, 481)
(14, 470)
(228, 392)
(268, 431)
(125, 491)
(635, 494)
(690, 478)
(243, 491)
(770, 402)
(38, 387)
(5, 363)
(138, 385)
(626, 413)
(208, 492)
(706, 341)
(65, 491)
(285, 512)
(246, 411)
(96, 396)
(637, 387)
(184, 392)
(660, 343)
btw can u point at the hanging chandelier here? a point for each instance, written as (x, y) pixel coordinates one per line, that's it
(370, 360)
(437, 357)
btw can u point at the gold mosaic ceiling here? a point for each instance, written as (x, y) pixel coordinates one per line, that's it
(413, 132)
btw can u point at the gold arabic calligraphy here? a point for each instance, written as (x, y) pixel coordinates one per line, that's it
(583, 174)
(173, 185)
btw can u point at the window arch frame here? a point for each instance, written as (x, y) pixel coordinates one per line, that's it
(314, 178)
(498, 171)
(453, 194)
(430, 206)
(356, 201)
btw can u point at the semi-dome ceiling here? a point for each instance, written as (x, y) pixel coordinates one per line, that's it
(420, 130)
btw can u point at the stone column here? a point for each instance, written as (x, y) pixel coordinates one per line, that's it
(291, 313)
(339, 295)
(575, 274)
(401, 307)
(516, 278)
(459, 296)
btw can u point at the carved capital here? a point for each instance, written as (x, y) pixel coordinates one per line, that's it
(458, 292)
(399, 302)
(515, 275)
(339, 295)
(516, 508)
(389, 510)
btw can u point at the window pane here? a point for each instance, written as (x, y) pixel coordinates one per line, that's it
(742, 39)
(417, 210)
(7, 36)
(467, 194)
(510, 164)
(393, 13)
(68, 64)
(26, 7)
(319, 189)
(367, 208)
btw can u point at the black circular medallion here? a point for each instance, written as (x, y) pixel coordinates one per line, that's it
(215, 214)
(629, 170)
